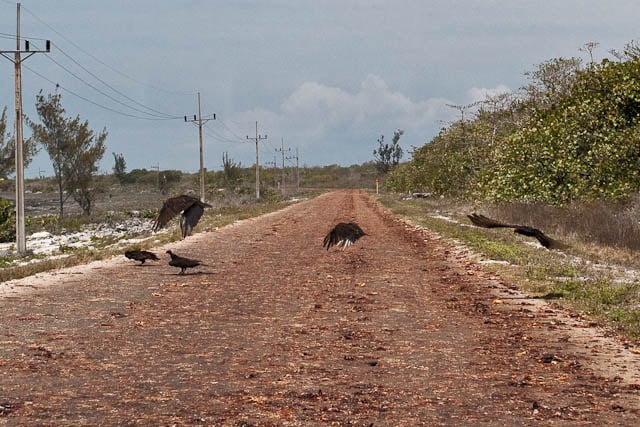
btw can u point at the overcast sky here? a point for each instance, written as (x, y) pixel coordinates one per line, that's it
(326, 76)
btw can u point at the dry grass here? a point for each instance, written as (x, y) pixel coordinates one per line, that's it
(598, 274)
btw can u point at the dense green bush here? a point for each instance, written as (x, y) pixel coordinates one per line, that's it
(587, 147)
(572, 134)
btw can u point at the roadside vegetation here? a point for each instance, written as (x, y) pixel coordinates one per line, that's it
(561, 154)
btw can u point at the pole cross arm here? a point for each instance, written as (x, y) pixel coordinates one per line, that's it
(27, 50)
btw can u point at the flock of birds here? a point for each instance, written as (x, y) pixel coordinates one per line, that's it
(342, 235)
(176, 261)
(191, 210)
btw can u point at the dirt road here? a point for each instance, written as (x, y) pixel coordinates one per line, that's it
(397, 330)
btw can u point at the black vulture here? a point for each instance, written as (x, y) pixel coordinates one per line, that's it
(525, 230)
(183, 263)
(343, 234)
(190, 207)
(142, 256)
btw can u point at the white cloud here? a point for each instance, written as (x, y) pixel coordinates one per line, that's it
(374, 102)
(476, 94)
(338, 125)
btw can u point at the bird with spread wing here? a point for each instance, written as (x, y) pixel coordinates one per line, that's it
(546, 241)
(189, 208)
(344, 234)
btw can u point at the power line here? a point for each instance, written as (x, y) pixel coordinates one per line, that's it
(215, 134)
(13, 37)
(102, 62)
(224, 124)
(69, 91)
(166, 116)
(112, 88)
(154, 113)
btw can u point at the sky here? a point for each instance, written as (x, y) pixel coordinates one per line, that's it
(322, 78)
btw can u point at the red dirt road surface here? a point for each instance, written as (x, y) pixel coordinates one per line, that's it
(396, 330)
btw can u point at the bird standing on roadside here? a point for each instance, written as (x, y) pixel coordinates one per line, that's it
(183, 263)
(190, 208)
(142, 256)
(344, 234)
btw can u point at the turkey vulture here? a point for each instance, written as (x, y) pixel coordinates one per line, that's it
(546, 241)
(141, 256)
(343, 234)
(183, 263)
(191, 208)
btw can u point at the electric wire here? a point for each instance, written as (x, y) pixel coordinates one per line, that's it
(235, 134)
(69, 91)
(164, 117)
(112, 88)
(221, 137)
(102, 62)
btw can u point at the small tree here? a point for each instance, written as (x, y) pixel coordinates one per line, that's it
(8, 148)
(120, 167)
(73, 148)
(82, 163)
(388, 155)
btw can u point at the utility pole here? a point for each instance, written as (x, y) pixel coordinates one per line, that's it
(282, 151)
(297, 172)
(274, 165)
(21, 238)
(157, 169)
(200, 121)
(258, 139)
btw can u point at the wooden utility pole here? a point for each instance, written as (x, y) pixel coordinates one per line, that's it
(200, 122)
(21, 238)
(157, 169)
(297, 172)
(275, 172)
(258, 139)
(282, 151)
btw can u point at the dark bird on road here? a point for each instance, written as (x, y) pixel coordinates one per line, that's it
(525, 230)
(190, 208)
(343, 234)
(141, 256)
(183, 263)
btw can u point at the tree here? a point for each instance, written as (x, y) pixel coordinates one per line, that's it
(551, 82)
(120, 167)
(81, 165)
(588, 147)
(388, 155)
(73, 148)
(8, 148)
